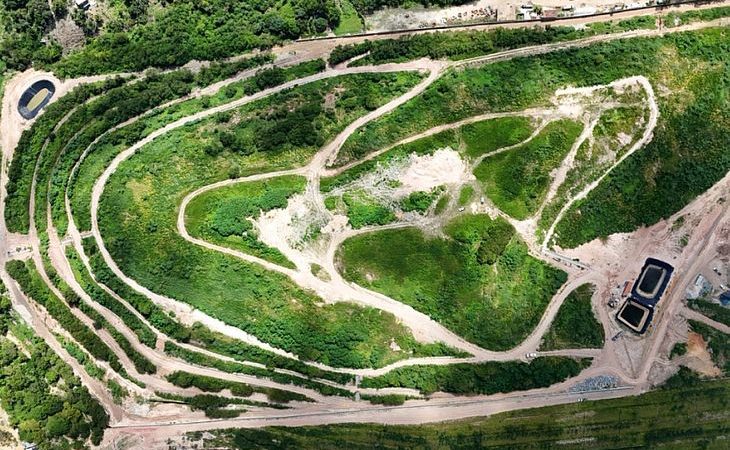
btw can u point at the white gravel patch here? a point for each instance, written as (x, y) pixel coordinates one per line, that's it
(425, 172)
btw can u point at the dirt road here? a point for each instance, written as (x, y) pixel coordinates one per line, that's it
(321, 48)
(329, 409)
(645, 138)
(694, 315)
(411, 317)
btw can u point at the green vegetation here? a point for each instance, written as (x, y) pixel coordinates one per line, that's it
(423, 146)
(216, 342)
(442, 204)
(614, 121)
(467, 44)
(682, 417)
(82, 357)
(575, 325)
(484, 378)
(43, 398)
(672, 169)
(686, 156)
(714, 311)
(185, 30)
(481, 283)
(109, 145)
(149, 310)
(684, 378)
(25, 156)
(420, 201)
(24, 25)
(489, 135)
(387, 400)
(234, 367)
(138, 217)
(87, 122)
(209, 384)
(33, 286)
(363, 210)
(617, 129)
(518, 180)
(141, 363)
(235, 349)
(99, 295)
(221, 216)
(471, 140)
(679, 349)
(466, 194)
(350, 21)
(718, 344)
(82, 129)
(700, 15)
(69, 311)
(213, 405)
(118, 392)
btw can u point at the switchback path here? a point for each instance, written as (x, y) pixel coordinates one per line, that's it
(326, 155)
(415, 411)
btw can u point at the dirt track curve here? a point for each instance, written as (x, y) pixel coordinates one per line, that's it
(336, 409)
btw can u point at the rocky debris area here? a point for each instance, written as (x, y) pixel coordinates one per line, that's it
(598, 383)
(68, 35)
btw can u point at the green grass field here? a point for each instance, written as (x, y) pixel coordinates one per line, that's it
(480, 283)
(465, 195)
(350, 21)
(221, 216)
(489, 135)
(139, 207)
(575, 325)
(362, 210)
(518, 180)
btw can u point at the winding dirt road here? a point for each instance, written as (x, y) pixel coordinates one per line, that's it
(334, 409)
(645, 138)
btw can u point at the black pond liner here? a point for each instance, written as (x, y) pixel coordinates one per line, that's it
(635, 315)
(652, 282)
(30, 93)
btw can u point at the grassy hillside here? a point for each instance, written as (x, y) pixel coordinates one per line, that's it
(686, 156)
(480, 282)
(485, 378)
(518, 180)
(221, 216)
(138, 214)
(575, 325)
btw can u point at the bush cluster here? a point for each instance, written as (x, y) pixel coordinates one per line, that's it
(485, 378)
(44, 400)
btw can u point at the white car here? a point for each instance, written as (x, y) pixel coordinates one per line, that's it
(531, 355)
